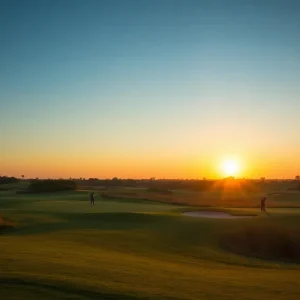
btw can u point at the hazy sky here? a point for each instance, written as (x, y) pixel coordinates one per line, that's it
(149, 88)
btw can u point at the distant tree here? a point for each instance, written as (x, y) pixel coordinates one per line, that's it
(22, 176)
(262, 179)
(117, 181)
(297, 177)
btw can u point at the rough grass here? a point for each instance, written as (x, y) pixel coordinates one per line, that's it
(271, 242)
(62, 248)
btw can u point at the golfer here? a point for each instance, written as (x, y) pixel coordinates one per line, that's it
(92, 198)
(263, 203)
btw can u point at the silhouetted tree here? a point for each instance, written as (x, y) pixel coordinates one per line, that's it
(297, 177)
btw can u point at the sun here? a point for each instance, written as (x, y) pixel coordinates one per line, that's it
(230, 167)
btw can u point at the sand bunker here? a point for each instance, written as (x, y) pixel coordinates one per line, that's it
(213, 215)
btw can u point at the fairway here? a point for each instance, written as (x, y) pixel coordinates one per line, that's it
(62, 248)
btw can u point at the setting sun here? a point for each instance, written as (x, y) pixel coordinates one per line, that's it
(230, 167)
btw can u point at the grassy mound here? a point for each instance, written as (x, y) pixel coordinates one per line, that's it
(270, 242)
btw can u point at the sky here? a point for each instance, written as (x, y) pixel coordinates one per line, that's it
(140, 89)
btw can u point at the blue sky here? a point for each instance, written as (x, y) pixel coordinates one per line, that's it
(183, 82)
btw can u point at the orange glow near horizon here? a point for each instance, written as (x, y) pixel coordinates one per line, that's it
(102, 165)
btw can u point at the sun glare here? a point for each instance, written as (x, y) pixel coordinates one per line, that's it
(230, 167)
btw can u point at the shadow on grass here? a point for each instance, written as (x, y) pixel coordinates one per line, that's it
(4, 228)
(70, 292)
(5, 225)
(100, 221)
(269, 242)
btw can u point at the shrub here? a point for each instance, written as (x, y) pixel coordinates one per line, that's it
(46, 186)
(6, 180)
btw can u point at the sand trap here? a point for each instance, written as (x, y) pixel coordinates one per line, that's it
(214, 215)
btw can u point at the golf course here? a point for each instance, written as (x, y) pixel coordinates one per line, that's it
(58, 246)
(149, 150)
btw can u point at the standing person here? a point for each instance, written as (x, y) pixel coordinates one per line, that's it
(92, 198)
(263, 203)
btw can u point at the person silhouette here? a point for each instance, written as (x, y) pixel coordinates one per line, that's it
(263, 203)
(92, 198)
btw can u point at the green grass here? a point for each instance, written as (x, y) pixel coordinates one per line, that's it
(62, 248)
